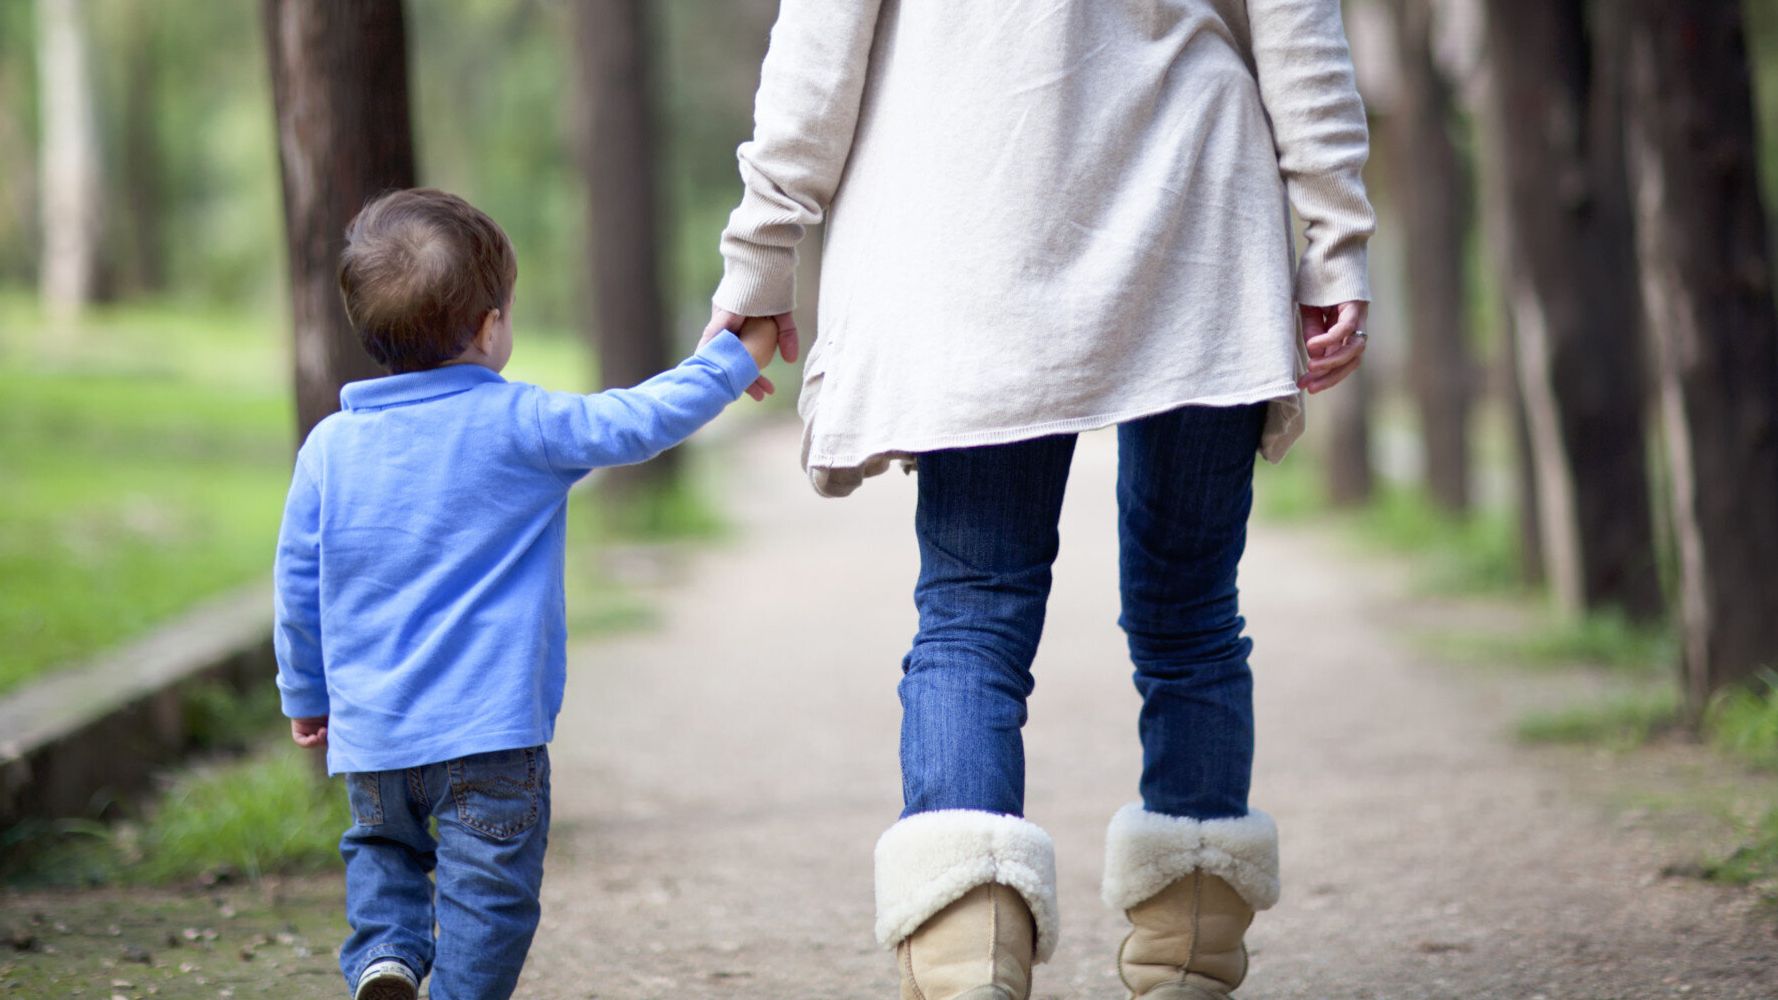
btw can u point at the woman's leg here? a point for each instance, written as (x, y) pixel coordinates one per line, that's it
(1184, 490)
(986, 525)
(1190, 864)
(966, 887)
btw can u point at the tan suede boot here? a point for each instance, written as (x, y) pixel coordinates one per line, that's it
(1190, 888)
(1185, 941)
(978, 948)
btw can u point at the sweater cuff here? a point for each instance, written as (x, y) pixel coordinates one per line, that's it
(757, 280)
(302, 704)
(1328, 280)
(726, 352)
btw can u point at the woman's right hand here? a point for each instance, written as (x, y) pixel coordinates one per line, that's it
(1335, 338)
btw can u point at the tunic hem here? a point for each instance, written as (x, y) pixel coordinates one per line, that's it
(837, 475)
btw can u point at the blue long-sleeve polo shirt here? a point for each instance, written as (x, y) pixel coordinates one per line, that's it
(419, 566)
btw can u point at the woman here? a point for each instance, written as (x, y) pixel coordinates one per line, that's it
(1047, 216)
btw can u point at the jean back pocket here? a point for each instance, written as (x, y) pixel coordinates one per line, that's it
(497, 793)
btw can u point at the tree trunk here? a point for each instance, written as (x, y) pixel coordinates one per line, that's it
(1429, 183)
(1706, 277)
(71, 207)
(339, 86)
(625, 320)
(1575, 307)
(1349, 480)
(1526, 501)
(140, 259)
(1496, 228)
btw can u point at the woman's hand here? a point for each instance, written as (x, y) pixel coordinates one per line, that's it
(1335, 338)
(788, 344)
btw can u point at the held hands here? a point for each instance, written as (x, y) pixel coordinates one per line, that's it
(781, 334)
(759, 334)
(1335, 338)
(311, 733)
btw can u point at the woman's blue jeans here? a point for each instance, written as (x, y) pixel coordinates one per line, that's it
(493, 824)
(987, 532)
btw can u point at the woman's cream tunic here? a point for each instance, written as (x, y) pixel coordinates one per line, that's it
(1046, 216)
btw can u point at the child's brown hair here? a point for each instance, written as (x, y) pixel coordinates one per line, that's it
(422, 268)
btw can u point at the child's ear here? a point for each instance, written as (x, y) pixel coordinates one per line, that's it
(484, 335)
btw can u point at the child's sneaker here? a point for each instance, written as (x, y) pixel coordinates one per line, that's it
(387, 980)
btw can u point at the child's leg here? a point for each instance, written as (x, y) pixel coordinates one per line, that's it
(491, 836)
(389, 854)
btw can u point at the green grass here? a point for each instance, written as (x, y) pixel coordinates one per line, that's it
(1620, 723)
(1755, 862)
(219, 719)
(144, 463)
(268, 812)
(144, 456)
(677, 510)
(1474, 554)
(1744, 723)
(1604, 640)
(127, 500)
(1289, 491)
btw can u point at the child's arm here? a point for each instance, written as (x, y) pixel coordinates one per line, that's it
(296, 637)
(625, 426)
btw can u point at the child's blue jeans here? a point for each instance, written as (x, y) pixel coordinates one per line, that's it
(986, 524)
(493, 821)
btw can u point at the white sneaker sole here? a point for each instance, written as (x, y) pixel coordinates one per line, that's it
(387, 981)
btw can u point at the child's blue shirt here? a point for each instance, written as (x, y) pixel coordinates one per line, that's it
(419, 567)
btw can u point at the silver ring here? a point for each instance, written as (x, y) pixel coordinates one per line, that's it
(1361, 335)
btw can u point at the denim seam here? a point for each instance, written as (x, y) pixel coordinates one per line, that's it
(375, 794)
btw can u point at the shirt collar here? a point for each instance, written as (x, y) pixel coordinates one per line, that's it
(412, 387)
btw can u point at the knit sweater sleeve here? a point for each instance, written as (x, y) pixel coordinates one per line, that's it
(803, 120)
(1307, 84)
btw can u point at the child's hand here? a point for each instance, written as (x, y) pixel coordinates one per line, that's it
(759, 334)
(310, 734)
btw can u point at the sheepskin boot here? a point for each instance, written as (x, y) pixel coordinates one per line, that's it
(1189, 888)
(968, 901)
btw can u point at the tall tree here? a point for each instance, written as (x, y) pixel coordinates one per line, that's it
(1349, 474)
(70, 159)
(138, 259)
(626, 318)
(1575, 308)
(1707, 279)
(1478, 77)
(1430, 184)
(339, 86)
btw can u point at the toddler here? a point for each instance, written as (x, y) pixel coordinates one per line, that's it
(420, 628)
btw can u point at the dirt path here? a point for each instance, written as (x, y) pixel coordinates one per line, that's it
(720, 782)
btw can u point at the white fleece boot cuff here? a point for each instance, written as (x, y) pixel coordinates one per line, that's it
(928, 861)
(1145, 852)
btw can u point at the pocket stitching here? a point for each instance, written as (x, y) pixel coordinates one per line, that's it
(461, 787)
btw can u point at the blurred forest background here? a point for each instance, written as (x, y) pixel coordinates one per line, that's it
(1573, 384)
(145, 428)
